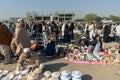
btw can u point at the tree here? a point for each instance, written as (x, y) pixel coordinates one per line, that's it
(93, 17)
(90, 17)
(99, 19)
(114, 18)
(105, 18)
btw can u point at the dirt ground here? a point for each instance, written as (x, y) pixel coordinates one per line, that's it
(90, 72)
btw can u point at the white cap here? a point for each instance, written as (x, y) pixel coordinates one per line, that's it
(41, 66)
(48, 23)
(26, 50)
(19, 20)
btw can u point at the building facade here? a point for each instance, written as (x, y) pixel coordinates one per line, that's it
(57, 17)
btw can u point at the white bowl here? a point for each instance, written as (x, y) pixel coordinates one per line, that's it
(64, 77)
(65, 73)
(76, 74)
(76, 78)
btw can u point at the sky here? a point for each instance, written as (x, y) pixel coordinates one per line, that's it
(18, 8)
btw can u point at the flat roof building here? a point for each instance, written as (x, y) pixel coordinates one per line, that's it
(57, 17)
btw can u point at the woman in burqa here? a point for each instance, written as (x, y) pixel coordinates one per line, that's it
(66, 34)
(71, 30)
(106, 33)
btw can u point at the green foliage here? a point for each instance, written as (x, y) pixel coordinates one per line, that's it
(99, 19)
(114, 18)
(93, 17)
(90, 17)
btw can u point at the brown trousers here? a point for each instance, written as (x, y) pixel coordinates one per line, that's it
(5, 50)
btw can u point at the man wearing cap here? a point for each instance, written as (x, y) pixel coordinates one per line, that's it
(5, 40)
(51, 49)
(20, 39)
(28, 59)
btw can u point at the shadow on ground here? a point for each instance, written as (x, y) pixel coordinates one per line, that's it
(86, 77)
(44, 59)
(54, 67)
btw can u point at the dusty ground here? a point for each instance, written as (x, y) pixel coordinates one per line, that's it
(90, 72)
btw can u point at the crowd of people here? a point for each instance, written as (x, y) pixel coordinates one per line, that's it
(22, 33)
(16, 39)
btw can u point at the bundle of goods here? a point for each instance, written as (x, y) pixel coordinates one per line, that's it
(36, 74)
(84, 55)
(62, 49)
(50, 76)
(34, 45)
(112, 56)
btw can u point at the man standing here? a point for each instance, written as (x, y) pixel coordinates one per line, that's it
(118, 33)
(5, 40)
(55, 31)
(91, 31)
(20, 39)
(45, 34)
(71, 30)
(33, 29)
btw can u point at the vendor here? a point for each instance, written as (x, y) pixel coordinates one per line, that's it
(51, 49)
(28, 59)
(97, 44)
